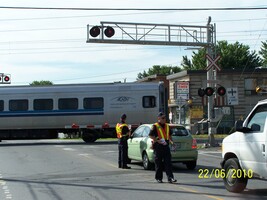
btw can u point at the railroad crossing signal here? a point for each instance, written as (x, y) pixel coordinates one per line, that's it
(221, 91)
(96, 30)
(5, 78)
(210, 91)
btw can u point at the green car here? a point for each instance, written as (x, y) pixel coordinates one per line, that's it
(184, 149)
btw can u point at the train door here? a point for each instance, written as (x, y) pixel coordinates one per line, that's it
(163, 99)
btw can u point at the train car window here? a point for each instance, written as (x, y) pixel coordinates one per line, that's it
(93, 103)
(18, 105)
(1, 105)
(43, 104)
(149, 101)
(68, 104)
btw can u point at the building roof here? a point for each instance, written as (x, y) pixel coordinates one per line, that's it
(224, 71)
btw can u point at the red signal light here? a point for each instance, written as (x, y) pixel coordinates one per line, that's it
(221, 91)
(95, 31)
(209, 91)
(109, 31)
(6, 78)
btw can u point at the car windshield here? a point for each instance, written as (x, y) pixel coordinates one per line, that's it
(179, 131)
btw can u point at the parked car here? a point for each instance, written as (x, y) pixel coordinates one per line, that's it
(185, 151)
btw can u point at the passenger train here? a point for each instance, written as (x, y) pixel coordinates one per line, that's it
(90, 110)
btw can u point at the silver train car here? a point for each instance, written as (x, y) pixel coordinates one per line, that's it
(90, 110)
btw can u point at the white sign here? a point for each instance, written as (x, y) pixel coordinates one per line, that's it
(182, 90)
(232, 96)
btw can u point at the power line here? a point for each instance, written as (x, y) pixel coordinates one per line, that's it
(133, 9)
(80, 16)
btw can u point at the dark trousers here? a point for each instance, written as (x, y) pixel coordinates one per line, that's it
(163, 161)
(123, 152)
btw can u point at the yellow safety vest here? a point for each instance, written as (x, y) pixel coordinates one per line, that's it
(119, 127)
(163, 133)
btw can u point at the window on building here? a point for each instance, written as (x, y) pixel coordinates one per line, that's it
(149, 101)
(1, 105)
(43, 104)
(18, 105)
(68, 104)
(93, 103)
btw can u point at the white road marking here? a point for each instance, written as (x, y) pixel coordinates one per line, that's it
(5, 188)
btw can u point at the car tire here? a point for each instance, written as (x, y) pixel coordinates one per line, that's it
(191, 164)
(237, 184)
(146, 163)
(129, 161)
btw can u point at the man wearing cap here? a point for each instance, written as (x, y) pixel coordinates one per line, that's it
(123, 133)
(160, 134)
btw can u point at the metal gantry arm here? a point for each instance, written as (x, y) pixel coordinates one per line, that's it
(152, 34)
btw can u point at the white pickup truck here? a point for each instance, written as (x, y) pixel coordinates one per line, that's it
(244, 151)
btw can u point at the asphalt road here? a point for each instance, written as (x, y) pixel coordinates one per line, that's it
(73, 170)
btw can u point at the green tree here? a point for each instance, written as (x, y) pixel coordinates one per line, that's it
(263, 53)
(159, 70)
(233, 56)
(186, 63)
(40, 83)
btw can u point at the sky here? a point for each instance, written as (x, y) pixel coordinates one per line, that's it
(51, 45)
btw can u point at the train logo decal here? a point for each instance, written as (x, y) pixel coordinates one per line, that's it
(121, 101)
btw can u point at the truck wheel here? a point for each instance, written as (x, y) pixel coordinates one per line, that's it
(89, 139)
(234, 180)
(191, 164)
(146, 163)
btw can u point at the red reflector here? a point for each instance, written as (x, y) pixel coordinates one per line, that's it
(90, 126)
(194, 144)
(105, 125)
(74, 126)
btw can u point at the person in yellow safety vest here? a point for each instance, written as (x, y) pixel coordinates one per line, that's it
(123, 133)
(160, 134)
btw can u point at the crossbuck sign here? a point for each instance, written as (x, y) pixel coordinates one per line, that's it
(213, 63)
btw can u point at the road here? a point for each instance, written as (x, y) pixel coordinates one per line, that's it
(71, 169)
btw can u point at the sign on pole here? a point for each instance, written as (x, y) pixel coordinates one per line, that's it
(232, 96)
(213, 63)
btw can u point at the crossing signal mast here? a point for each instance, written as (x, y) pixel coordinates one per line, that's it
(160, 34)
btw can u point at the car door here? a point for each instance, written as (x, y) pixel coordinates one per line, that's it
(146, 142)
(134, 144)
(253, 143)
